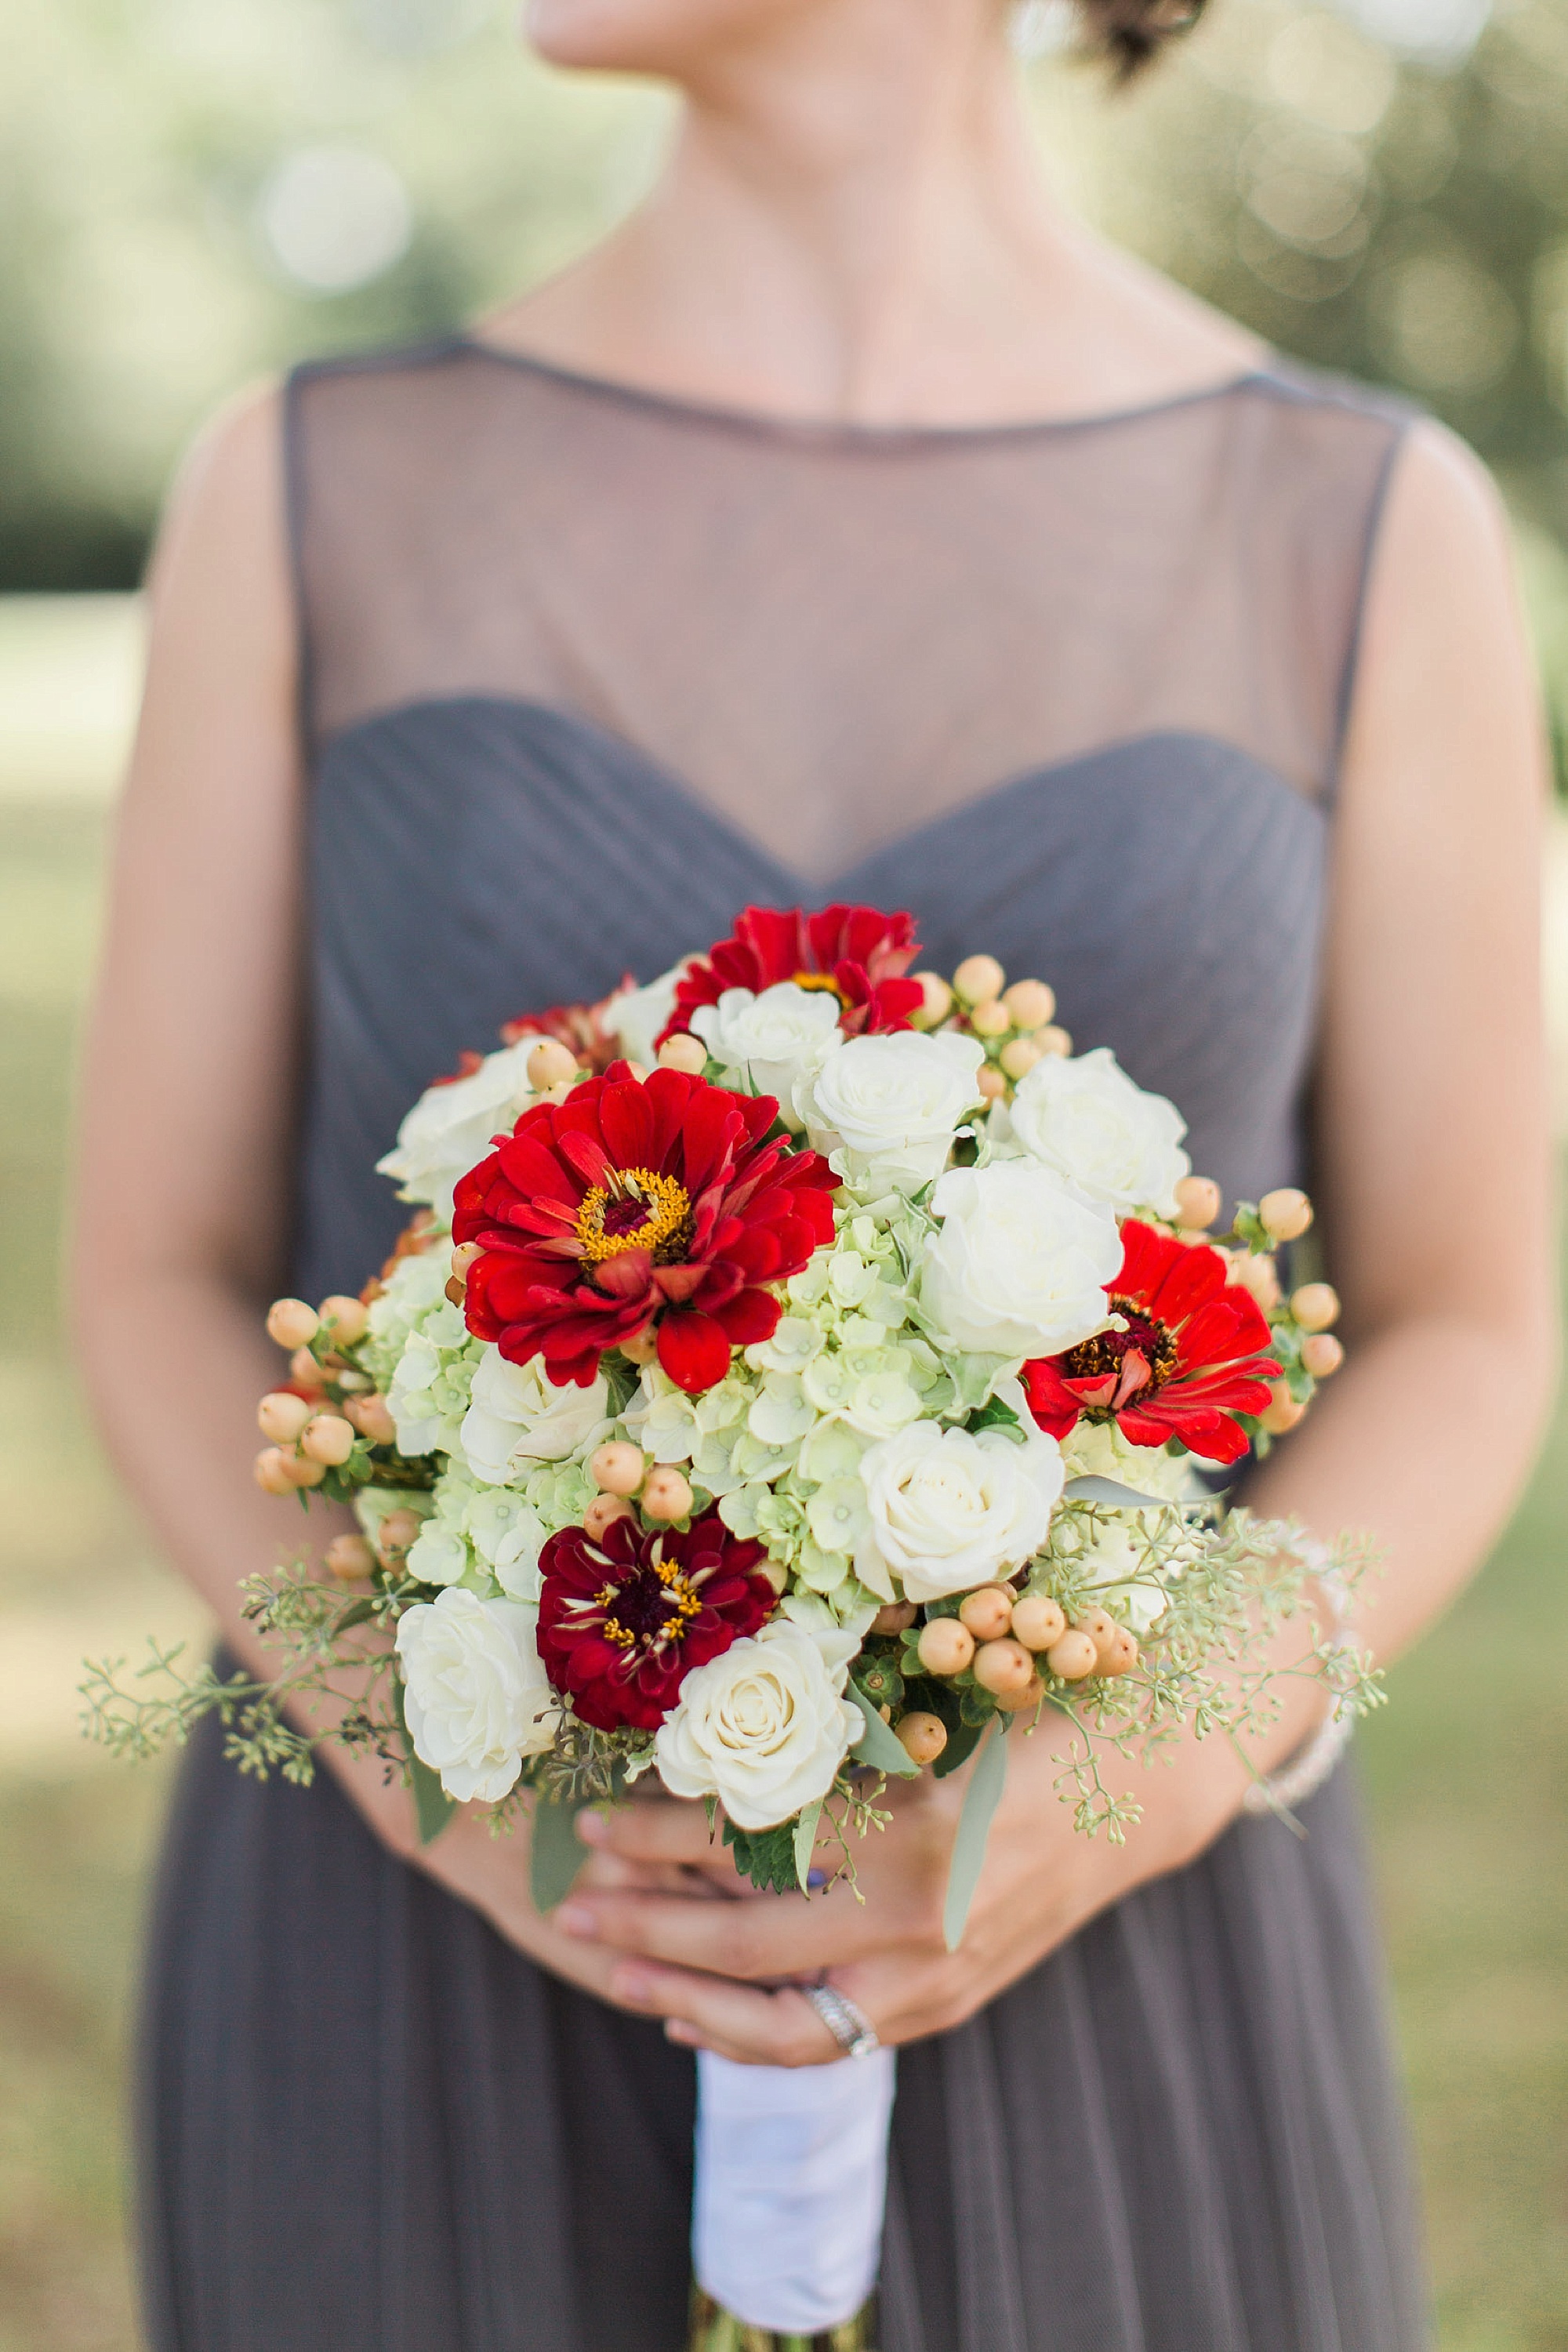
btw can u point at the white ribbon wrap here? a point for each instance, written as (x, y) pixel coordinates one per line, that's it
(792, 2181)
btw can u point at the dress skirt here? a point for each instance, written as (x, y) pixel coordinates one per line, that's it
(368, 2125)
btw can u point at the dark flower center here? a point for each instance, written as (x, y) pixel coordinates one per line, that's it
(652, 1607)
(1103, 1357)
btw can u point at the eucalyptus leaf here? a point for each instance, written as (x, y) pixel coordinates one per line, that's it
(878, 1746)
(804, 1839)
(433, 1807)
(980, 1802)
(556, 1854)
(1113, 1493)
(963, 1739)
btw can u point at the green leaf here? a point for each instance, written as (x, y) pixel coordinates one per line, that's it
(764, 1857)
(980, 1802)
(963, 1739)
(877, 1745)
(996, 1414)
(557, 1853)
(932, 1696)
(433, 1807)
(804, 1839)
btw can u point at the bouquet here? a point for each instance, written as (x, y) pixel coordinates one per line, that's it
(799, 1372)
(794, 1370)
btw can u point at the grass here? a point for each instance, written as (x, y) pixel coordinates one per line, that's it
(1468, 1802)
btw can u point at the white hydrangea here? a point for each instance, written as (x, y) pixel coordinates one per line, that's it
(415, 1289)
(776, 1042)
(1086, 1120)
(429, 1389)
(451, 1127)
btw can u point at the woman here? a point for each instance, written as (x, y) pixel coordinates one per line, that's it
(851, 523)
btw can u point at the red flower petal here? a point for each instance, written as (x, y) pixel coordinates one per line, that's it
(750, 1317)
(693, 1348)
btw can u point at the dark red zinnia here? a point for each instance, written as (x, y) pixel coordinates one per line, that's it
(1193, 1351)
(632, 1204)
(624, 1620)
(858, 952)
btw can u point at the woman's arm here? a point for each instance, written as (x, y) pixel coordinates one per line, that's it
(1434, 1168)
(185, 1173)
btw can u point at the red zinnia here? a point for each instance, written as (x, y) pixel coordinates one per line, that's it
(858, 952)
(624, 1620)
(632, 1201)
(1193, 1352)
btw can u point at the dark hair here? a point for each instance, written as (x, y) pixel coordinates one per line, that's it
(1131, 32)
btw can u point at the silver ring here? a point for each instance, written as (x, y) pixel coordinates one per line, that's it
(849, 2026)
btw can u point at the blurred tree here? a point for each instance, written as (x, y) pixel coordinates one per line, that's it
(197, 190)
(1393, 208)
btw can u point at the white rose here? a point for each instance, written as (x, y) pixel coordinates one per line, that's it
(1020, 1264)
(451, 1127)
(885, 1108)
(949, 1510)
(779, 1038)
(637, 1015)
(764, 1727)
(518, 1416)
(1088, 1120)
(475, 1694)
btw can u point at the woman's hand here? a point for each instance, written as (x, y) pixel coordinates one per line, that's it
(720, 1973)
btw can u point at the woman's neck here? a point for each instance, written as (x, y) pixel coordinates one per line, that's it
(863, 232)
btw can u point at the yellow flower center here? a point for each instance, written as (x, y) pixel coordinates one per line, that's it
(635, 1209)
(821, 979)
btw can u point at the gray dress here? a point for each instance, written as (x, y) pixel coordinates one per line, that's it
(585, 671)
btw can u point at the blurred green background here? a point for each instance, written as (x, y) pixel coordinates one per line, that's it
(196, 191)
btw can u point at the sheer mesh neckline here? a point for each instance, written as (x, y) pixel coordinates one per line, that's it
(834, 634)
(838, 434)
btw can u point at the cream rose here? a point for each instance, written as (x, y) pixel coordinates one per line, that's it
(885, 1108)
(1086, 1120)
(765, 1727)
(948, 1511)
(1020, 1264)
(635, 1016)
(778, 1039)
(450, 1128)
(475, 1694)
(517, 1417)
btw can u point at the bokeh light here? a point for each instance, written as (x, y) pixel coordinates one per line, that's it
(334, 217)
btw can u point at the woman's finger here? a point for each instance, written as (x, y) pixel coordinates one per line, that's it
(774, 1937)
(657, 1829)
(609, 1872)
(756, 2029)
